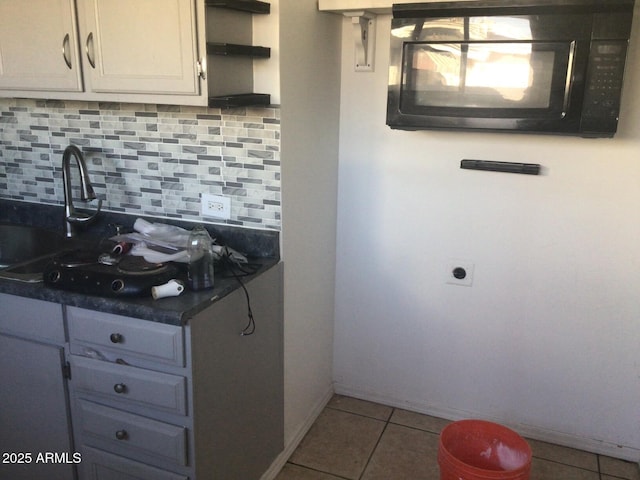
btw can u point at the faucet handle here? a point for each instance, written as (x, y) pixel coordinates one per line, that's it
(117, 228)
(83, 218)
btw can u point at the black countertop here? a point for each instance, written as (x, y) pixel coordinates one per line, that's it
(260, 246)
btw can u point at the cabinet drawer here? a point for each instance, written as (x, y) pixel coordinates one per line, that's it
(98, 465)
(30, 318)
(127, 337)
(132, 435)
(136, 385)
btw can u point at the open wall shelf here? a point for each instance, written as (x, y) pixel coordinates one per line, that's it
(240, 100)
(238, 50)
(231, 55)
(250, 6)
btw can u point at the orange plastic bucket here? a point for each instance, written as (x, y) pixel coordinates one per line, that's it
(480, 450)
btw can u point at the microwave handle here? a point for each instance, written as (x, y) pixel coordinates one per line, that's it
(569, 80)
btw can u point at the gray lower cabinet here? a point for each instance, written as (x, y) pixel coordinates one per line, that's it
(35, 434)
(94, 396)
(201, 401)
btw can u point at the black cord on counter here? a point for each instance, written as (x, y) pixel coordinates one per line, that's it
(250, 328)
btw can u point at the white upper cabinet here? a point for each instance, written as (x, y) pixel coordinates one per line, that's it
(38, 46)
(138, 51)
(140, 46)
(141, 51)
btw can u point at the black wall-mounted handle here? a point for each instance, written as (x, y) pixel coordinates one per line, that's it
(508, 167)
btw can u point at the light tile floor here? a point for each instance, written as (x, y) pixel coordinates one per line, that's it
(358, 440)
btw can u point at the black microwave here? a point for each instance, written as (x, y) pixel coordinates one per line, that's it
(528, 66)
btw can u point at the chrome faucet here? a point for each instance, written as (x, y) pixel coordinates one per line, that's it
(71, 216)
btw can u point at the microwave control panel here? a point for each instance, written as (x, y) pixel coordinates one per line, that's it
(603, 85)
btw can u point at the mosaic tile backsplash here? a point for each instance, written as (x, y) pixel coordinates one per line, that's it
(146, 159)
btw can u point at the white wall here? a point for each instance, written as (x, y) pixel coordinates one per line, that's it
(310, 90)
(546, 339)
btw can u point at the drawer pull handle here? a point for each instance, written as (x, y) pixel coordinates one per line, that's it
(116, 338)
(122, 435)
(120, 388)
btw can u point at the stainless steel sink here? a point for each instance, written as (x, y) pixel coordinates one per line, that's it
(25, 250)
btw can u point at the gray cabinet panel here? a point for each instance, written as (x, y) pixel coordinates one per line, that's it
(238, 386)
(132, 435)
(98, 465)
(126, 337)
(135, 385)
(34, 319)
(33, 409)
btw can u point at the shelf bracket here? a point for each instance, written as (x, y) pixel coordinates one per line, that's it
(363, 26)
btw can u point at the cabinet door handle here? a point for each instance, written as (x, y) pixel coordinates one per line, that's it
(120, 388)
(65, 53)
(122, 435)
(116, 338)
(91, 53)
(202, 68)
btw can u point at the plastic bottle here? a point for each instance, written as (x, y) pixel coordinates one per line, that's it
(200, 273)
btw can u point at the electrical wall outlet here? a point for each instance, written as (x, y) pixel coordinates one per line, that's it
(459, 272)
(217, 206)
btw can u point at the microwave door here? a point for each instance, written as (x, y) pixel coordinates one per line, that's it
(523, 77)
(486, 83)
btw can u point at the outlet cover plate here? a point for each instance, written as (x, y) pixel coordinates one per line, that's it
(217, 206)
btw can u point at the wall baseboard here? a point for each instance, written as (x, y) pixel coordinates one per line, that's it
(297, 437)
(600, 447)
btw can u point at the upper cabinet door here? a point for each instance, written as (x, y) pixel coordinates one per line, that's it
(139, 46)
(38, 46)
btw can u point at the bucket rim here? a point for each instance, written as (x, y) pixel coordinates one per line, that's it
(445, 456)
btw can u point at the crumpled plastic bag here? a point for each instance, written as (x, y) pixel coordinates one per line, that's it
(159, 243)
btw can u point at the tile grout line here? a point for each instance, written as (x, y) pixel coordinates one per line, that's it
(373, 450)
(599, 467)
(577, 467)
(317, 470)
